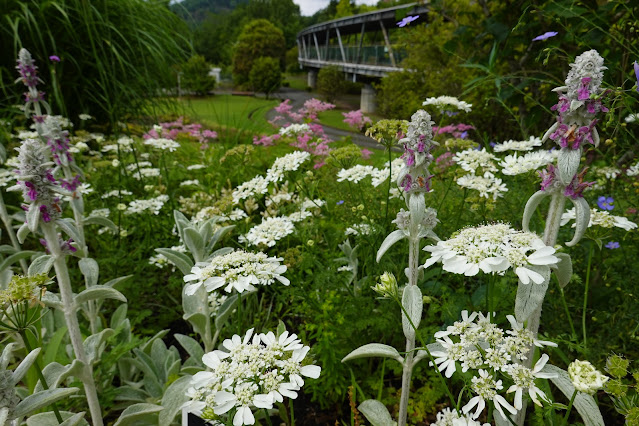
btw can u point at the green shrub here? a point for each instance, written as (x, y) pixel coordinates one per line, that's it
(265, 75)
(259, 38)
(330, 82)
(196, 76)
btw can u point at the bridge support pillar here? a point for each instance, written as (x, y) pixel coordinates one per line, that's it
(367, 100)
(311, 79)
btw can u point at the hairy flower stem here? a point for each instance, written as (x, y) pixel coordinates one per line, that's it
(553, 222)
(413, 265)
(66, 294)
(6, 220)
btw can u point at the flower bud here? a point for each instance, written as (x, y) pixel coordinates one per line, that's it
(585, 377)
(387, 286)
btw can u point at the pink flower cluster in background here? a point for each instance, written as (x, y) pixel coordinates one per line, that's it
(356, 119)
(459, 130)
(265, 140)
(171, 130)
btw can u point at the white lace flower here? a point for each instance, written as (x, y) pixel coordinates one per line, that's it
(355, 173)
(488, 185)
(524, 379)
(585, 377)
(239, 270)
(359, 229)
(512, 145)
(493, 248)
(444, 102)
(448, 417)
(600, 218)
(152, 205)
(294, 129)
(515, 165)
(486, 389)
(163, 144)
(269, 232)
(288, 163)
(256, 186)
(471, 159)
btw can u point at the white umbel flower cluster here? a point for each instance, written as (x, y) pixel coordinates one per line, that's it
(475, 343)
(471, 159)
(448, 417)
(488, 185)
(163, 144)
(249, 189)
(255, 371)
(443, 103)
(493, 248)
(269, 232)
(600, 218)
(512, 145)
(519, 164)
(288, 163)
(355, 174)
(239, 270)
(152, 205)
(295, 129)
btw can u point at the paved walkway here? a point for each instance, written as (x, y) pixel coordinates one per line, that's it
(298, 97)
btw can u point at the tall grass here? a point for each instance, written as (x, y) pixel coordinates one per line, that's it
(115, 55)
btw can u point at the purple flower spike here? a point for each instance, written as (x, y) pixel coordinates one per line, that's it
(407, 20)
(54, 58)
(545, 36)
(636, 65)
(612, 245)
(606, 203)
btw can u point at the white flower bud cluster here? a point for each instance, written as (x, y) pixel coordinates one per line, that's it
(512, 145)
(269, 232)
(599, 218)
(585, 377)
(443, 102)
(288, 163)
(493, 248)
(253, 372)
(476, 343)
(239, 270)
(163, 144)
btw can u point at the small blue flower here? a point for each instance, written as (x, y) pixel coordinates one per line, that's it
(451, 113)
(612, 245)
(492, 144)
(606, 203)
(636, 66)
(407, 20)
(545, 36)
(464, 134)
(340, 202)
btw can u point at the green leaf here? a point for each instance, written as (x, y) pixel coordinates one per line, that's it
(194, 242)
(196, 310)
(10, 260)
(376, 413)
(22, 233)
(69, 228)
(374, 350)
(41, 265)
(138, 414)
(98, 292)
(181, 260)
(118, 317)
(24, 366)
(90, 269)
(530, 296)
(391, 239)
(52, 348)
(564, 269)
(101, 221)
(191, 346)
(584, 403)
(217, 236)
(174, 397)
(42, 399)
(48, 419)
(413, 304)
(116, 281)
(281, 328)
(55, 374)
(94, 344)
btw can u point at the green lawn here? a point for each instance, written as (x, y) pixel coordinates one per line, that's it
(334, 118)
(297, 81)
(236, 112)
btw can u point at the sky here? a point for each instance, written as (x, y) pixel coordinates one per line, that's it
(309, 7)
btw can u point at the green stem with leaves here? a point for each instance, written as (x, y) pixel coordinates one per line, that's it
(586, 287)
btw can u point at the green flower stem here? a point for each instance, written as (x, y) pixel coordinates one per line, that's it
(583, 313)
(390, 183)
(292, 411)
(43, 381)
(6, 220)
(563, 299)
(66, 294)
(572, 400)
(268, 418)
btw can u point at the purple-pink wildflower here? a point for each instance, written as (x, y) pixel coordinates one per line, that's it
(545, 36)
(577, 185)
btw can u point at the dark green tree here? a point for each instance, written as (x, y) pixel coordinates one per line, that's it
(196, 76)
(259, 38)
(265, 76)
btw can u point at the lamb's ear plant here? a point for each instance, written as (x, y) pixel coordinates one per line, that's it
(414, 225)
(580, 101)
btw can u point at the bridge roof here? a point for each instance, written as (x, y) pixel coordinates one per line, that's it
(353, 24)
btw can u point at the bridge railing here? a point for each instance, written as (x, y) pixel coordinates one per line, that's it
(366, 55)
